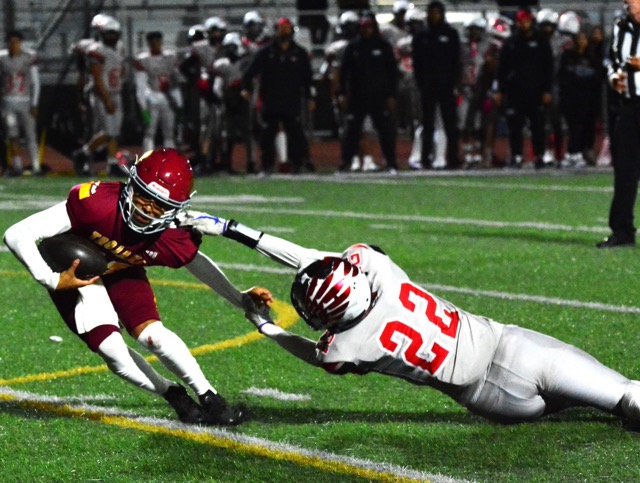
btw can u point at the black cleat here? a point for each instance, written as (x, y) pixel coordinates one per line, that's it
(216, 411)
(615, 241)
(80, 162)
(187, 409)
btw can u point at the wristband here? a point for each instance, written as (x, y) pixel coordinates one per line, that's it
(242, 233)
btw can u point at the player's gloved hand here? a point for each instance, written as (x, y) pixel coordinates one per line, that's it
(203, 223)
(146, 117)
(255, 302)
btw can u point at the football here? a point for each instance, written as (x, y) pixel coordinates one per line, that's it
(61, 250)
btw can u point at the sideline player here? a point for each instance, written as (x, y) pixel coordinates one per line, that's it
(376, 319)
(134, 225)
(105, 59)
(157, 91)
(20, 95)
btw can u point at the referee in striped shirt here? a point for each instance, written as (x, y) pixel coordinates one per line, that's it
(624, 77)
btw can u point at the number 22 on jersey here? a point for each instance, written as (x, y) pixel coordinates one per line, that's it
(448, 325)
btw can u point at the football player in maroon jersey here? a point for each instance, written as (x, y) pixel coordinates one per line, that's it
(376, 319)
(134, 223)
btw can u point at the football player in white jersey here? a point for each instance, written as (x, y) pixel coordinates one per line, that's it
(20, 95)
(376, 319)
(236, 111)
(157, 91)
(78, 52)
(105, 60)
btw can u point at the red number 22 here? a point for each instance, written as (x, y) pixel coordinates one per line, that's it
(449, 329)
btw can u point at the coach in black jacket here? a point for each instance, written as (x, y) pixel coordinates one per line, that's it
(525, 77)
(437, 67)
(368, 84)
(285, 79)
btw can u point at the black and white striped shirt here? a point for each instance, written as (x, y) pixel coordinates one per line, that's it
(624, 45)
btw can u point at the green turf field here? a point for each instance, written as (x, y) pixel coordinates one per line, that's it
(519, 249)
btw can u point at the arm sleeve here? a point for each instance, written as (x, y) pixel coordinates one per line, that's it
(22, 239)
(289, 254)
(206, 270)
(34, 72)
(301, 347)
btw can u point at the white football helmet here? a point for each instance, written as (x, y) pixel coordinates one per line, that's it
(215, 23)
(546, 15)
(401, 6)
(331, 294)
(569, 23)
(415, 15)
(233, 42)
(110, 24)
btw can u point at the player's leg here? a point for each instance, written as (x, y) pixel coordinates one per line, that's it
(140, 317)
(89, 314)
(167, 119)
(533, 374)
(30, 132)
(12, 130)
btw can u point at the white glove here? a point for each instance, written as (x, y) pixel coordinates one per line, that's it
(203, 223)
(257, 315)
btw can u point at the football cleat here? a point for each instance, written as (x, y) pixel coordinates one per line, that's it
(216, 411)
(187, 409)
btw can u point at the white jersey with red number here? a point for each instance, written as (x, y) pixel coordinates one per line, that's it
(112, 61)
(409, 332)
(16, 73)
(161, 69)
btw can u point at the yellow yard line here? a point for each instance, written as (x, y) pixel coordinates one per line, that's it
(285, 314)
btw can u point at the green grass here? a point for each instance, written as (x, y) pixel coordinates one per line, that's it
(431, 227)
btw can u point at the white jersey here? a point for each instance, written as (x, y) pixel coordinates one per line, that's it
(161, 69)
(17, 73)
(112, 61)
(205, 53)
(231, 72)
(410, 333)
(391, 33)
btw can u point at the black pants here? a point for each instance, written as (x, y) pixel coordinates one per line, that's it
(580, 123)
(625, 151)
(383, 123)
(432, 98)
(297, 144)
(517, 114)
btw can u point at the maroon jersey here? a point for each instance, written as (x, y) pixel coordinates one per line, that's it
(95, 214)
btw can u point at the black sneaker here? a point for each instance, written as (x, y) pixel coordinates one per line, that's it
(187, 409)
(216, 411)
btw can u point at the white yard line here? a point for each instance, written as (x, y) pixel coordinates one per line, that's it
(275, 449)
(540, 299)
(421, 219)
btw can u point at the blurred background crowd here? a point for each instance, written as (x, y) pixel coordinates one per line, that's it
(248, 87)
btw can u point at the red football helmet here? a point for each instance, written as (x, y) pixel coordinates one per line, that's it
(164, 176)
(331, 294)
